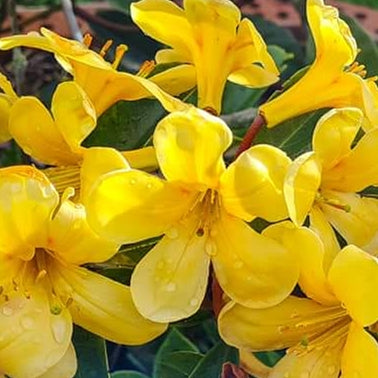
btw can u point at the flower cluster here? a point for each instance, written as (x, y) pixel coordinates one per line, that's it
(306, 281)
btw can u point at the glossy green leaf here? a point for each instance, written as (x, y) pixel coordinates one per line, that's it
(126, 125)
(176, 357)
(127, 374)
(91, 354)
(211, 364)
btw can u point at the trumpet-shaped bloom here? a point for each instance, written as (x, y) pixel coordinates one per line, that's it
(99, 78)
(324, 334)
(329, 177)
(200, 208)
(334, 80)
(7, 99)
(213, 42)
(55, 137)
(43, 289)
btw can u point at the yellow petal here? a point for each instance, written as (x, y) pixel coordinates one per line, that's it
(5, 107)
(129, 205)
(171, 56)
(65, 367)
(32, 334)
(320, 225)
(161, 19)
(334, 134)
(169, 283)
(253, 76)
(316, 363)
(306, 247)
(355, 171)
(98, 161)
(253, 184)
(357, 222)
(35, 131)
(176, 80)
(301, 185)
(142, 158)
(360, 356)
(252, 269)
(27, 200)
(74, 114)
(72, 240)
(332, 35)
(272, 328)
(102, 306)
(358, 293)
(249, 48)
(183, 150)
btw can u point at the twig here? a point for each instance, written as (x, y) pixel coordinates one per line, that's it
(250, 135)
(71, 19)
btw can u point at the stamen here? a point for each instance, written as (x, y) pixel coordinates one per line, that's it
(87, 40)
(146, 68)
(120, 52)
(41, 274)
(334, 203)
(64, 177)
(211, 110)
(358, 69)
(372, 78)
(106, 47)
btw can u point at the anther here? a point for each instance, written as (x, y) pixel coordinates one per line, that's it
(146, 68)
(87, 40)
(119, 53)
(41, 274)
(106, 47)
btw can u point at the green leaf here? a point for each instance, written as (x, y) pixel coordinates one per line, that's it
(126, 125)
(211, 364)
(369, 50)
(128, 374)
(293, 136)
(269, 358)
(11, 154)
(91, 354)
(367, 3)
(176, 357)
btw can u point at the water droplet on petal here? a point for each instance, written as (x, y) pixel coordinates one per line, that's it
(59, 329)
(160, 265)
(210, 248)
(132, 181)
(331, 370)
(171, 287)
(238, 264)
(149, 186)
(194, 302)
(7, 310)
(172, 233)
(283, 328)
(27, 322)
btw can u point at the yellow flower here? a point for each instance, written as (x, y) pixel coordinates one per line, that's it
(208, 38)
(7, 99)
(325, 334)
(43, 289)
(329, 177)
(334, 79)
(201, 208)
(55, 138)
(98, 78)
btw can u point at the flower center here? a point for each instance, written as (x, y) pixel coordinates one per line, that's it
(333, 202)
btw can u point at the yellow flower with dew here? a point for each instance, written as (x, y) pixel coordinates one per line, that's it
(99, 78)
(330, 177)
(55, 137)
(201, 208)
(325, 334)
(334, 79)
(43, 289)
(7, 99)
(213, 43)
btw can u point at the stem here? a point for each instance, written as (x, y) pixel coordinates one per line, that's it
(71, 19)
(250, 135)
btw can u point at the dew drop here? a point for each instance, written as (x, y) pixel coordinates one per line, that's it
(149, 186)
(172, 233)
(59, 329)
(171, 287)
(160, 265)
(132, 182)
(283, 328)
(238, 264)
(7, 310)
(294, 315)
(331, 370)
(194, 302)
(27, 322)
(210, 248)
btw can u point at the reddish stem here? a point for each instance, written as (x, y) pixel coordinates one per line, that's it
(217, 294)
(250, 135)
